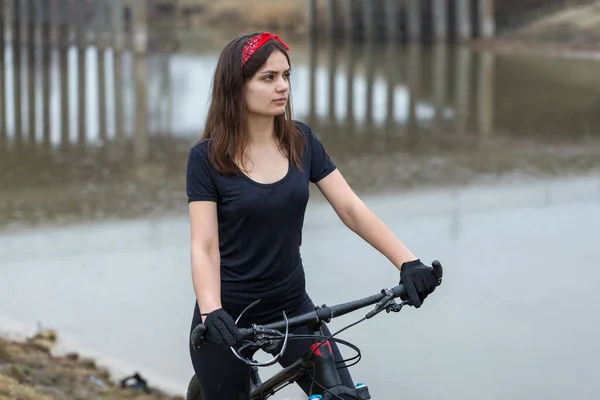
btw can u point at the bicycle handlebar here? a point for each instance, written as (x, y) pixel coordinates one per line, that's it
(322, 313)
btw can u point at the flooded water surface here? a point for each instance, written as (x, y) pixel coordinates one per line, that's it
(486, 162)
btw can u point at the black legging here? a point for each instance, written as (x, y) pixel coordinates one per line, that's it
(223, 377)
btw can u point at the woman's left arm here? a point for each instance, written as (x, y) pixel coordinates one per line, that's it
(356, 216)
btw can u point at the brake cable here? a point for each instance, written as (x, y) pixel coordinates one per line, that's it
(257, 328)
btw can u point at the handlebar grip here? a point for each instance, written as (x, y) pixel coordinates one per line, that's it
(197, 335)
(438, 271)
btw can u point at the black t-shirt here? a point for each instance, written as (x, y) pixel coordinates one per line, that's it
(260, 227)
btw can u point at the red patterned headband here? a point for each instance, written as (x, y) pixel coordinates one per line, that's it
(255, 42)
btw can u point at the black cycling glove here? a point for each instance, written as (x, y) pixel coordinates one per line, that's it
(221, 329)
(419, 281)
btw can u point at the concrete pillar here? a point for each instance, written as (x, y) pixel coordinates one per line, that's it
(331, 18)
(164, 103)
(368, 14)
(82, 24)
(82, 32)
(440, 19)
(414, 86)
(392, 73)
(487, 19)
(440, 81)
(3, 16)
(102, 127)
(463, 88)
(485, 95)
(332, 67)
(463, 20)
(312, 79)
(117, 68)
(81, 94)
(141, 133)
(117, 23)
(16, 47)
(414, 19)
(392, 8)
(369, 80)
(31, 22)
(140, 25)
(349, 13)
(350, 79)
(45, 47)
(100, 24)
(64, 15)
(312, 16)
(30, 14)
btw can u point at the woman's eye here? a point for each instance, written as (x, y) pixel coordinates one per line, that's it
(268, 77)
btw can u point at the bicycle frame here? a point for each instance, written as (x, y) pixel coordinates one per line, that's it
(321, 363)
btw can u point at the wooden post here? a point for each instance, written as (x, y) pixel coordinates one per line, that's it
(463, 20)
(440, 19)
(487, 19)
(414, 19)
(392, 20)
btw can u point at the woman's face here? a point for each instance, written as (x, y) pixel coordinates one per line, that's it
(267, 92)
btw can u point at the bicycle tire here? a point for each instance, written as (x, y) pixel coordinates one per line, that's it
(193, 390)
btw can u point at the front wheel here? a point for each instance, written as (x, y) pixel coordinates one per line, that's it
(193, 391)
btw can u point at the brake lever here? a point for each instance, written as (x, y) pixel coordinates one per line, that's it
(263, 339)
(395, 307)
(382, 304)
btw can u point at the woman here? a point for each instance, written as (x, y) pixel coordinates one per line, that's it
(247, 186)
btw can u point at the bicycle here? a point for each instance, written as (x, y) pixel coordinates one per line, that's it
(319, 360)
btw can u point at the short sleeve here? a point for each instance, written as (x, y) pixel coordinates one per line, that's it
(321, 164)
(200, 184)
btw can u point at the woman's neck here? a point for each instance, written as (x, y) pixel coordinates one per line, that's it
(261, 130)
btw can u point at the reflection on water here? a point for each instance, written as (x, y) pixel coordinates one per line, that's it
(104, 132)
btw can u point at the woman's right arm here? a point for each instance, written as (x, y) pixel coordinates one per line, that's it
(205, 256)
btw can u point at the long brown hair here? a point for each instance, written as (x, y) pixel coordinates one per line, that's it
(227, 111)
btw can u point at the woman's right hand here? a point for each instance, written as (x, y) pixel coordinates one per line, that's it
(221, 329)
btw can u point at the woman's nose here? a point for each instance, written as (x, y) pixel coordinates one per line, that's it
(282, 85)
